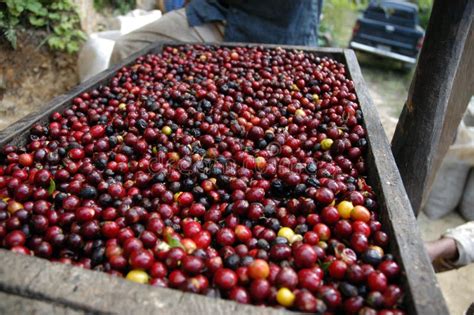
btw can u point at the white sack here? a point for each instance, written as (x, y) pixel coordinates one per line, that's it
(94, 56)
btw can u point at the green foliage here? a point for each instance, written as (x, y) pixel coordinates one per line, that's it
(119, 6)
(173, 241)
(58, 17)
(52, 186)
(425, 11)
(338, 19)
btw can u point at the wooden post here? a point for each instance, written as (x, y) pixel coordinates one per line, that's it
(439, 94)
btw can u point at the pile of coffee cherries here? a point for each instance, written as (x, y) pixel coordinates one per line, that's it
(232, 172)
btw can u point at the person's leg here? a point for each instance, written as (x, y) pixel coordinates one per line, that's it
(172, 26)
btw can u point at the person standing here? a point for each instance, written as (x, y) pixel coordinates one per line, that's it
(252, 21)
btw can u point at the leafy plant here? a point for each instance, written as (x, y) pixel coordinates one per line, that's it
(120, 6)
(337, 21)
(58, 17)
(424, 7)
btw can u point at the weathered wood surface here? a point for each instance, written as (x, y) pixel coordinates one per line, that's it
(16, 305)
(98, 292)
(397, 216)
(439, 94)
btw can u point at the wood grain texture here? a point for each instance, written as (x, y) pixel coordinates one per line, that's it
(397, 215)
(439, 94)
(14, 304)
(98, 292)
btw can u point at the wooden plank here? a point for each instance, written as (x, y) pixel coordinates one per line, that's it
(14, 304)
(439, 94)
(98, 292)
(397, 216)
(407, 246)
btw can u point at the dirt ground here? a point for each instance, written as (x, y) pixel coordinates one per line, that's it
(31, 75)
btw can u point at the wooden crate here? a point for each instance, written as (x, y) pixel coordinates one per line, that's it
(61, 288)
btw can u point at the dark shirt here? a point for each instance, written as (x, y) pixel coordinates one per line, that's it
(291, 22)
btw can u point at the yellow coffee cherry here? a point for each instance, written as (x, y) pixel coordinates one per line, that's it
(323, 244)
(286, 232)
(176, 195)
(166, 130)
(377, 248)
(294, 87)
(345, 208)
(300, 112)
(13, 206)
(296, 238)
(122, 106)
(138, 276)
(285, 297)
(326, 144)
